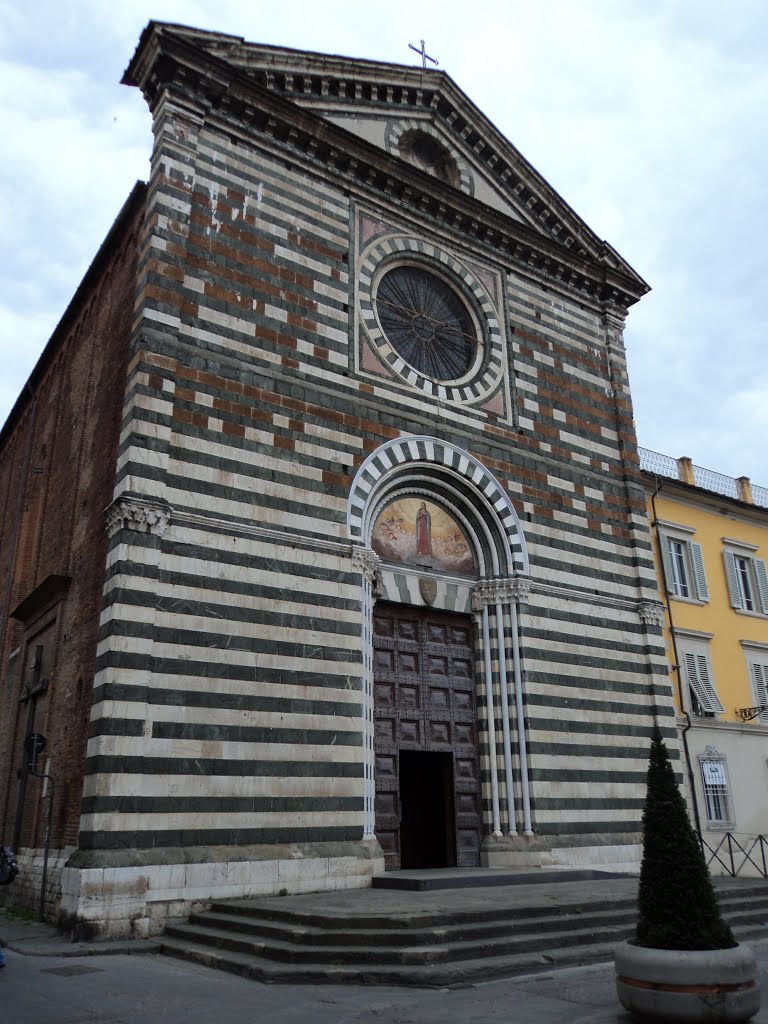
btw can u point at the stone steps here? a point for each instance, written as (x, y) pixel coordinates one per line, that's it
(466, 931)
(441, 975)
(450, 942)
(447, 948)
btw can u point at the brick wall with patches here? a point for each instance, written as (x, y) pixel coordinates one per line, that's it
(57, 473)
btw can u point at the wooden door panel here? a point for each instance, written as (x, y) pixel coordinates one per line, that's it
(424, 699)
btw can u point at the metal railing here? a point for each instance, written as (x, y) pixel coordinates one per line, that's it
(655, 462)
(735, 857)
(709, 480)
(717, 482)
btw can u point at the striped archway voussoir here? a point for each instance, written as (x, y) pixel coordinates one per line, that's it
(480, 485)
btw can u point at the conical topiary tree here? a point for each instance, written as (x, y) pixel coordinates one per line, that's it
(676, 900)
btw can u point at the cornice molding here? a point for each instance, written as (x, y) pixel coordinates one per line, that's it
(717, 725)
(585, 596)
(681, 633)
(671, 527)
(243, 104)
(734, 542)
(201, 521)
(695, 497)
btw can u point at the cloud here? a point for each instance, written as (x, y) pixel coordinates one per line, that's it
(647, 117)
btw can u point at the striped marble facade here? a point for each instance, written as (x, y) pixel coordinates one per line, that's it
(231, 733)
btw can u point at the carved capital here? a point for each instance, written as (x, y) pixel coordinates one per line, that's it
(367, 563)
(613, 319)
(499, 591)
(651, 613)
(138, 514)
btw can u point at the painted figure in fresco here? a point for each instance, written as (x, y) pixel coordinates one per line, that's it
(414, 532)
(423, 531)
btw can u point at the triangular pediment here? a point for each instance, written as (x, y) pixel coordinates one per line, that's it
(416, 116)
(432, 149)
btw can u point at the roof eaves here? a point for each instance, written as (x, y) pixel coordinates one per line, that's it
(134, 200)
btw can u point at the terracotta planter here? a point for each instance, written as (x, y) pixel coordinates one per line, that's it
(710, 985)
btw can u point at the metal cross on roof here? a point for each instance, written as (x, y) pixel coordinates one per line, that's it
(422, 53)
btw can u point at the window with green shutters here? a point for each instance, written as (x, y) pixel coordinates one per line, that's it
(683, 563)
(760, 686)
(703, 692)
(696, 671)
(747, 582)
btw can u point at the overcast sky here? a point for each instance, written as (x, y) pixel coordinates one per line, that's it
(650, 118)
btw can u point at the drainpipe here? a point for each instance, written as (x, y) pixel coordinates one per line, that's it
(676, 666)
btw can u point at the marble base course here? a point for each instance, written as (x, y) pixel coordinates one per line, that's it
(523, 852)
(115, 900)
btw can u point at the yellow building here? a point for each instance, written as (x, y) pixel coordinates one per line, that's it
(710, 535)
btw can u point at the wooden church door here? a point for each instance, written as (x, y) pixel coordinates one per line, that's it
(428, 810)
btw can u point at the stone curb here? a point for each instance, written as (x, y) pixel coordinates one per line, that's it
(36, 938)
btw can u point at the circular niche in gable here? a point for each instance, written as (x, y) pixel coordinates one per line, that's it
(424, 151)
(418, 143)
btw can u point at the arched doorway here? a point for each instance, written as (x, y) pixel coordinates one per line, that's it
(444, 563)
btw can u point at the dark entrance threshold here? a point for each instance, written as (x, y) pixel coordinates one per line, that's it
(481, 878)
(427, 830)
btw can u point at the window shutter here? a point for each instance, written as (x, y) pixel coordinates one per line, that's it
(762, 583)
(666, 561)
(733, 580)
(697, 560)
(760, 676)
(697, 671)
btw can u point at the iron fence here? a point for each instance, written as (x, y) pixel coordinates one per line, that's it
(734, 855)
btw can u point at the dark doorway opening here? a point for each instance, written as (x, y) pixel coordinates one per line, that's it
(427, 814)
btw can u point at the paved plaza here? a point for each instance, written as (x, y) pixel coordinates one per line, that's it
(48, 980)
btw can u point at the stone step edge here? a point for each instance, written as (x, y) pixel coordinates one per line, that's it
(733, 911)
(314, 935)
(427, 919)
(446, 975)
(451, 952)
(341, 920)
(443, 975)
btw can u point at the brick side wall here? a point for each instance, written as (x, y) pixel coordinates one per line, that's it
(57, 471)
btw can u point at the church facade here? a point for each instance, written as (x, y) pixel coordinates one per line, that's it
(377, 588)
